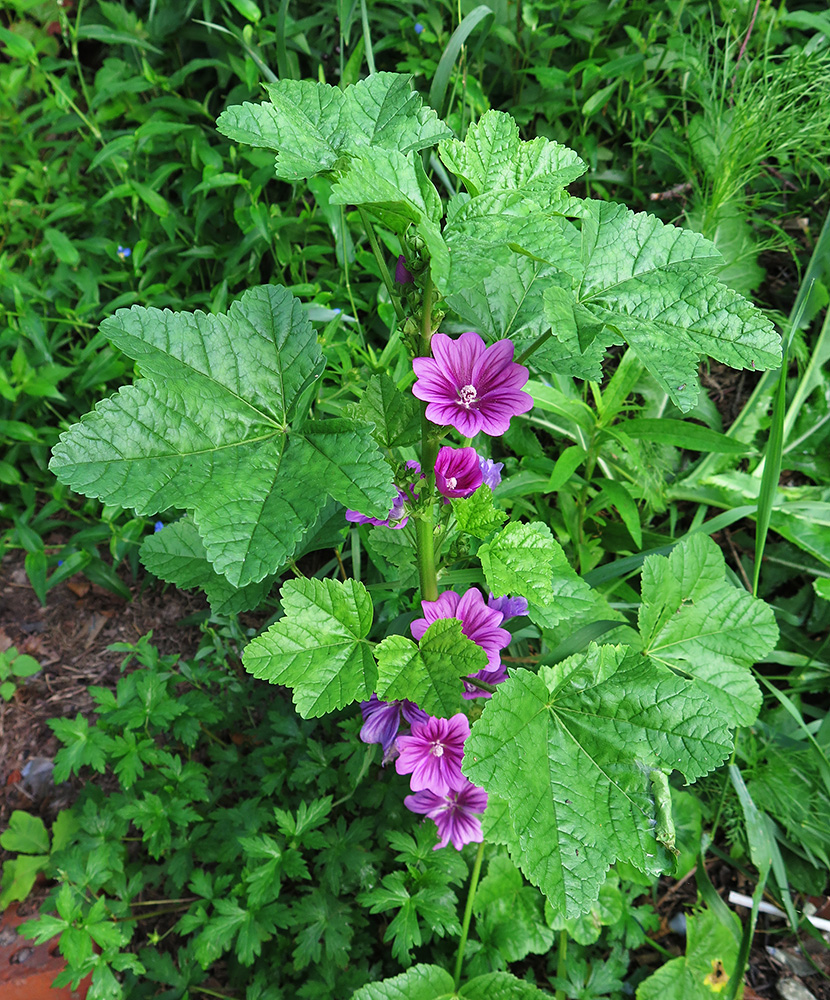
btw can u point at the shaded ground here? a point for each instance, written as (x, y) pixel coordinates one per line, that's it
(69, 638)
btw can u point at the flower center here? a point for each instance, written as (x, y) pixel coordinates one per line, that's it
(452, 482)
(437, 749)
(467, 395)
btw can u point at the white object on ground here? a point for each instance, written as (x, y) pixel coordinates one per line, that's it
(764, 907)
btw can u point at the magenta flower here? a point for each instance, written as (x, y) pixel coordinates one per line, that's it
(510, 607)
(471, 387)
(403, 275)
(454, 813)
(478, 622)
(490, 471)
(457, 472)
(433, 752)
(382, 719)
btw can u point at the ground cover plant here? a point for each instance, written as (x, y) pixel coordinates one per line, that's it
(489, 479)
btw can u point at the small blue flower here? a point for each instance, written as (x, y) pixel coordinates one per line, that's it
(158, 526)
(337, 311)
(60, 562)
(418, 28)
(123, 252)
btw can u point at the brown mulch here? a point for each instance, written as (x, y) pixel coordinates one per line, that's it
(69, 638)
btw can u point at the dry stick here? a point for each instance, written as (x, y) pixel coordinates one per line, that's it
(745, 41)
(737, 559)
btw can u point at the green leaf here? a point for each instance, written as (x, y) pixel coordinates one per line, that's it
(710, 961)
(695, 622)
(177, 555)
(311, 125)
(319, 648)
(570, 750)
(17, 46)
(508, 302)
(607, 910)
(64, 249)
(393, 185)
(19, 876)
(649, 282)
(681, 434)
(84, 746)
(492, 156)
(428, 673)
(395, 413)
(525, 560)
(421, 982)
(207, 430)
(509, 913)
(619, 497)
(476, 514)
(500, 986)
(25, 834)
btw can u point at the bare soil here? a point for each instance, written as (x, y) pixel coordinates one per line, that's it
(69, 638)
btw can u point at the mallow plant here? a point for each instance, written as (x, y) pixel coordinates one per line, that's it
(566, 763)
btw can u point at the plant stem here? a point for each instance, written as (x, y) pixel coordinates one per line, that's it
(561, 963)
(424, 534)
(468, 912)
(533, 347)
(384, 270)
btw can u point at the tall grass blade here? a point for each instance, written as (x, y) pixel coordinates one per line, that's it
(775, 449)
(438, 90)
(282, 51)
(367, 38)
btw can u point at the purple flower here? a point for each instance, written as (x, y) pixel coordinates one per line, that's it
(490, 471)
(382, 719)
(433, 752)
(457, 472)
(418, 28)
(454, 813)
(510, 607)
(478, 622)
(403, 275)
(471, 387)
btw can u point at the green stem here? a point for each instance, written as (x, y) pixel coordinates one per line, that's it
(533, 347)
(481, 685)
(468, 912)
(424, 534)
(426, 556)
(384, 270)
(562, 963)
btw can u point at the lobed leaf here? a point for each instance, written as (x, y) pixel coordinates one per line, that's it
(430, 672)
(692, 620)
(493, 157)
(421, 982)
(570, 750)
(319, 648)
(207, 430)
(311, 125)
(393, 185)
(525, 560)
(177, 555)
